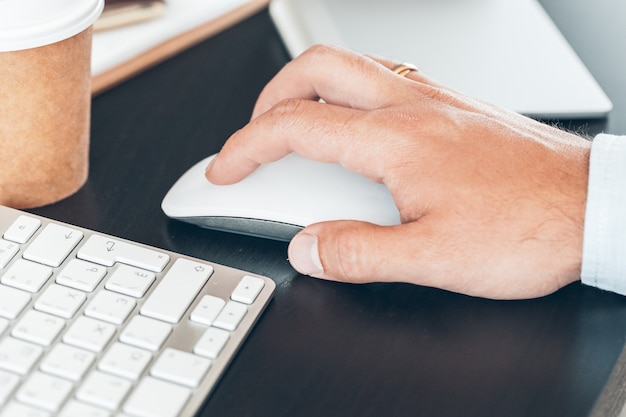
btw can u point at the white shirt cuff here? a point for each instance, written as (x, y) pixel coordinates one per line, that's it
(604, 242)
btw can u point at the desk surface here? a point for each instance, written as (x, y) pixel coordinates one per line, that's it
(325, 348)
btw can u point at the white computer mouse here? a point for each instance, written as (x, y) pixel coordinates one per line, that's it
(279, 199)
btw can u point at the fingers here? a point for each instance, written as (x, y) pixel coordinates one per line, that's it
(391, 65)
(333, 74)
(288, 117)
(346, 251)
(359, 252)
(421, 254)
(317, 131)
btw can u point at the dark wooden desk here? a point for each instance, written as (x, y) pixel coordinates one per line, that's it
(323, 348)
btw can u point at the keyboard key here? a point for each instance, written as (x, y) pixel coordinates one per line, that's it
(14, 409)
(103, 390)
(22, 229)
(53, 245)
(247, 290)
(211, 343)
(146, 333)
(38, 327)
(44, 391)
(130, 280)
(81, 275)
(178, 288)
(207, 310)
(90, 334)
(107, 251)
(183, 368)
(12, 302)
(67, 362)
(7, 251)
(8, 383)
(111, 307)
(77, 409)
(26, 275)
(126, 361)
(60, 301)
(18, 356)
(156, 398)
(231, 316)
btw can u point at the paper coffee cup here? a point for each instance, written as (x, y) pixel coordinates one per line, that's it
(45, 98)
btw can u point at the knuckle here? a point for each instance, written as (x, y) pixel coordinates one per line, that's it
(443, 95)
(350, 259)
(435, 93)
(287, 107)
(320, 51)
(332, 56)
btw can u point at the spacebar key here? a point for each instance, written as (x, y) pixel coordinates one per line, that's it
(106, 251)
(177, 290)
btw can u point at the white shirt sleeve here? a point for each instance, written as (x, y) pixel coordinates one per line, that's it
(604, 242)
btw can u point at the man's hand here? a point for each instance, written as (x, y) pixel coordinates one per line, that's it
(492, 203)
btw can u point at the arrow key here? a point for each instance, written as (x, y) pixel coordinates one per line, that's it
(53, 245)
(247, 290)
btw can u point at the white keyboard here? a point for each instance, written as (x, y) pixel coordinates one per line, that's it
(93, 325)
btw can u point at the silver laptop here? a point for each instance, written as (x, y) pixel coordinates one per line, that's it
(508, 52)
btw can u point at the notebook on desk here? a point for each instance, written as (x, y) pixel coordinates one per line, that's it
(508, 52)
(120, 53)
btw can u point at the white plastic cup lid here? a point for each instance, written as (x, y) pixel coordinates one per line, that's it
(26, 24)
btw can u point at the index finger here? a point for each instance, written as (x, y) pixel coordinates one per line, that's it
(288, 116)
(318, 131)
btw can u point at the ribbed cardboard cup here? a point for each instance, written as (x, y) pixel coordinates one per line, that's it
(45, 104)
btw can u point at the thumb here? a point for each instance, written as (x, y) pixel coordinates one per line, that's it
(349, 251)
